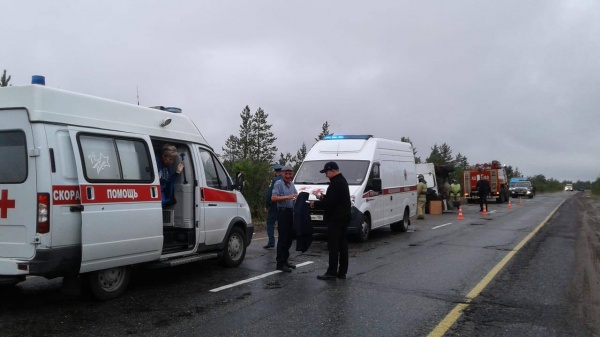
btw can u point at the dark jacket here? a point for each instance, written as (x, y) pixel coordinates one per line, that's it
(336, 202)
(483, 188)
(268, 203)
(303, 228)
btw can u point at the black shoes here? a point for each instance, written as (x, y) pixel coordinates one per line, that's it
(269, 246)
(285, 269)
(326, 277)
(341, 276)
(290, 265)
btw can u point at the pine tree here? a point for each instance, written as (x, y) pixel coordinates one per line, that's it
(262, 148)
(300, 155)
(238, 148)
(4, 80)
(461, 161)
(435, 157)
(445, 153)
(324, 132)
(286, 159)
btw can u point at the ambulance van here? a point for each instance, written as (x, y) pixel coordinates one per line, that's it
(80, 193)
(381, 175)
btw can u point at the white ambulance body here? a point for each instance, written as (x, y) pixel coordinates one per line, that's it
(381, 175)
(80, 192)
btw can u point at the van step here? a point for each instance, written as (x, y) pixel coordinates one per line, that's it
(183, 260)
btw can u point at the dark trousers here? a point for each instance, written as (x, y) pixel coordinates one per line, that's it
(285, 222)
(483, 200)
(337, 243)
(271, 218)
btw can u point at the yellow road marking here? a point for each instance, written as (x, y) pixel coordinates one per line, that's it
(453, 316)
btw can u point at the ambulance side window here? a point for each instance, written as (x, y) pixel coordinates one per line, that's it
(13, 148)
(115, 159)
(216, 177)
(134, 160)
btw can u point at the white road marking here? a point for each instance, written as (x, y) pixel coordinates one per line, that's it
(255, 278)
(446, 224)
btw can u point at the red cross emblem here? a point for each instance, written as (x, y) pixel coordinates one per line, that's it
(5, 204)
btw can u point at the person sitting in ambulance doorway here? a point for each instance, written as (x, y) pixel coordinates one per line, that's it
(168, 154)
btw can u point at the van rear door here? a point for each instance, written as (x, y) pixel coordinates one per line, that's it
(18, 184)
(120, 197)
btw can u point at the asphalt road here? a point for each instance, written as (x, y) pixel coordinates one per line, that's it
(399, 284)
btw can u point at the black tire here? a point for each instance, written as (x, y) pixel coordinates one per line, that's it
(235, 248)
(364, 230)
(531, 196)
(402, 225)
(110, 283)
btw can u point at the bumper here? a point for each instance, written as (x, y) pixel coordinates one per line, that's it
(249, 234)
(320, 227)
(48, 263)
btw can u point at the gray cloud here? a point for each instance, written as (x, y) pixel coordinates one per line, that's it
(511, 81)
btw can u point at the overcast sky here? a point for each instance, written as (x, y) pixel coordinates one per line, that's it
(514, 81)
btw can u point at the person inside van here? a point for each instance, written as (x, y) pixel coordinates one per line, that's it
(167, 175)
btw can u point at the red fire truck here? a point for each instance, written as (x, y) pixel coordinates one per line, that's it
(496, 176)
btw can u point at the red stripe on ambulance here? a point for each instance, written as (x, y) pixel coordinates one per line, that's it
(211, 194)
(104, 194)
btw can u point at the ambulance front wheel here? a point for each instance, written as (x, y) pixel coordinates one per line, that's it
(110, 283)
(235, 248)
(364, 230)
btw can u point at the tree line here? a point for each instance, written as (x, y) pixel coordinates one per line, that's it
(253, 152)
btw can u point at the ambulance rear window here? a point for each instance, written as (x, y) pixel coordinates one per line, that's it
(13, 151)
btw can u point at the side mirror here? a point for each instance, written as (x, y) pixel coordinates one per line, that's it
(374, 184)
(239, 181)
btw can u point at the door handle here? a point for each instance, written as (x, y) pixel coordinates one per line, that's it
(212, 204)
(76, 208)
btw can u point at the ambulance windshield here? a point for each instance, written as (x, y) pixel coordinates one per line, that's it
(354, 171)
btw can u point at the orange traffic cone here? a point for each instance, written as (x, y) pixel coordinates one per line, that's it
(520, 202)
(460, 215)
(509, 204)
(484, 210)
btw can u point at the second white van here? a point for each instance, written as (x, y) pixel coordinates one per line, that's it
(381, 175)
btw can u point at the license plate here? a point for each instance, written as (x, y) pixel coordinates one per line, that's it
(316, 217)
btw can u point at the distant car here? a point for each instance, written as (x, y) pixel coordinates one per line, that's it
(569, 187)
(580, 188)
(522, 188)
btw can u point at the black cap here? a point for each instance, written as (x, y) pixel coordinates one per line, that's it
(330, 166)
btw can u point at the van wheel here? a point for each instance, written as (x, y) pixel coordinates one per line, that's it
(402, 225)
(364, 230)
(235, 248)
(110, 283)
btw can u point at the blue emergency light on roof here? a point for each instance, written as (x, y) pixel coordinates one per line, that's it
(331, 137)
(38, 79)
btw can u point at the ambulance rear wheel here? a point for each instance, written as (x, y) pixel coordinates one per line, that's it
(364, 230)
(235, 248)
(110, 283)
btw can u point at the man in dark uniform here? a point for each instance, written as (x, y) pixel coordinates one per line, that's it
(483, 190)
(284, 194)
(336, 203)
(271, 208)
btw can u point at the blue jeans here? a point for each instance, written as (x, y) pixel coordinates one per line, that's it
(271, 218)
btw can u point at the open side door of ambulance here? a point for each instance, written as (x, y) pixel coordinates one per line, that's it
(120, 197)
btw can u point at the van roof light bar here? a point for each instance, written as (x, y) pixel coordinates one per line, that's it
(332, 137)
